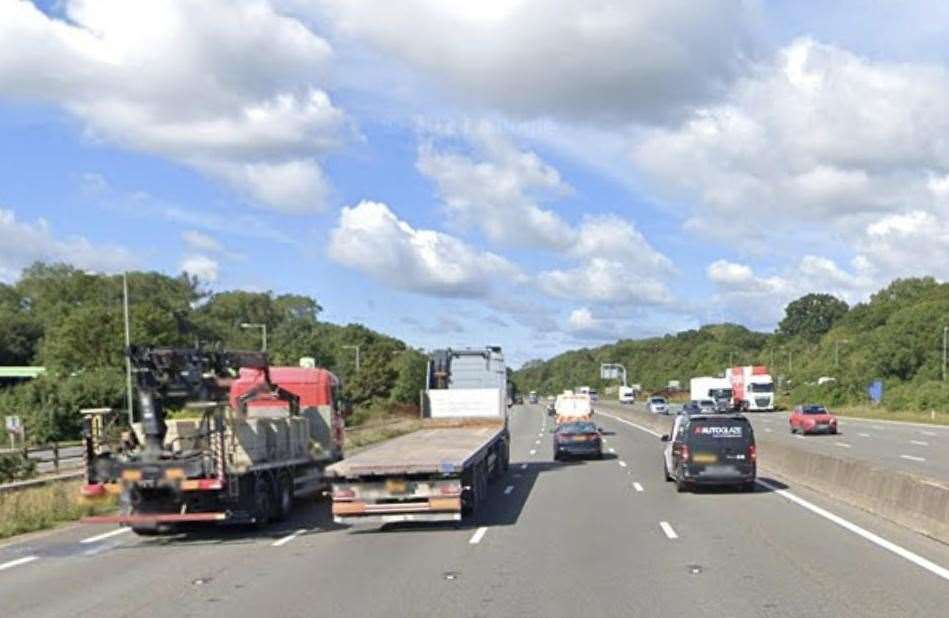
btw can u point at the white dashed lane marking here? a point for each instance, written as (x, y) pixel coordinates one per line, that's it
(842, 444)
(478, 535)
(533, 451)
(106, 535)
(622, 464)
(667, 529)
(637, 487)
(912, 458)
(523, 466)
(15, 563)
(864, 435)
(508, 489)
(919, 443)
(288, 538)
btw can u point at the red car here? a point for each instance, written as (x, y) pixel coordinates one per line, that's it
(812, 418)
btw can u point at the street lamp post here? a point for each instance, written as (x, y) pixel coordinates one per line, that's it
(356, 348)
(128, 343)
(837, 352)
(945, 334)
(263, 332)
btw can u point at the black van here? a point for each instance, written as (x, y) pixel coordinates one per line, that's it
(711, 449)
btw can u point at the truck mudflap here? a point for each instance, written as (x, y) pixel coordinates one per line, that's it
(145, 519)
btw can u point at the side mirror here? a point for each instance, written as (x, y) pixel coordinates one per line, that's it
(665, 437)
(346, 408)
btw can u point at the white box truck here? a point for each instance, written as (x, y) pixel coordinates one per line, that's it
(752, 388)
(707, 387)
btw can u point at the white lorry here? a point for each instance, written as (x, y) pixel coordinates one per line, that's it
(752, 388)
(572, 406)
(440, 472)
(718, 390)
(627, 394)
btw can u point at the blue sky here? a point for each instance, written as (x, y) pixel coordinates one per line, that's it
(540, 175)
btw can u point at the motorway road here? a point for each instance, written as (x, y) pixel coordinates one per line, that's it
(906, 447)
(604, 538)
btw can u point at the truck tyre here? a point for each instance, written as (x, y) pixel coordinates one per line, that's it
(506, 456)
(262, 500)
(283, 503)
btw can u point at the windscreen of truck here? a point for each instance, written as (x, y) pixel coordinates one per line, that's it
(761, 388)
(721, 393)
(720, 432)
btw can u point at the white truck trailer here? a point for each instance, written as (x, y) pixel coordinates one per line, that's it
(706, 387)
(442, 471)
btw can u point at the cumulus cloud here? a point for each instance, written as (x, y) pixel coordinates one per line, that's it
(819, 142)
(201, 266)
(370, 238)
(564, 58)
(582, 324)
(760, 300)
(230, 89)
(604, 281)
(200, 242)
(498, 190)
(22, 243)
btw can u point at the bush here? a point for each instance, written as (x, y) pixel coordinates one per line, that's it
(43, 507)
(16, 467)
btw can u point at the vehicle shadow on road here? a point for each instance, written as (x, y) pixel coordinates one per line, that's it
(312, 515)
(771, 487)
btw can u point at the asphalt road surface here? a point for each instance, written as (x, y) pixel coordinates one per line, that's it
(603, 538)
(905, 447)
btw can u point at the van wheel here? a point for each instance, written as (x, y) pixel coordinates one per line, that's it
(681, 485)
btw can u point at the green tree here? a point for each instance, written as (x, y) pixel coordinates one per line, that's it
(811, 316)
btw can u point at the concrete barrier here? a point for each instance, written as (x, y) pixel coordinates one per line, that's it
(919, 503)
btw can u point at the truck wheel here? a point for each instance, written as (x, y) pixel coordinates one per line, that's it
(263, 501)
(506, 456)
(284, 494)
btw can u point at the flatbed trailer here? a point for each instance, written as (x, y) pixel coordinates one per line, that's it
(437, 473)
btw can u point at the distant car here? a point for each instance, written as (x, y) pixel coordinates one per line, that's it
(690, 408)
(580, 438)
(710, 449)
(551, 409)
(519, 400)
(657, 405)
(532, 398)
(707, 406)
(812, 418)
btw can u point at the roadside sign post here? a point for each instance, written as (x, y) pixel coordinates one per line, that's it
(613, 371)
(14, 427)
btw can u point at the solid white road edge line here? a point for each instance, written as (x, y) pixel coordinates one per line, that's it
(288, 538)
(916, 559)
(667, 529)
(478, 535)
(637, 487)
(106, 535)
(508, 489)
(912, 458)
(636, 425)
(18, 562)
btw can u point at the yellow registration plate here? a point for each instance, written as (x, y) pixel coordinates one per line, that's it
(705, 458)
(579, 438)
(396, 486)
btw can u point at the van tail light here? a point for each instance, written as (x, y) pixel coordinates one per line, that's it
(684, 453)
(752, 453)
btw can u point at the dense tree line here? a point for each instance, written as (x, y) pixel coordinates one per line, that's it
(895, 336)
(71, 322)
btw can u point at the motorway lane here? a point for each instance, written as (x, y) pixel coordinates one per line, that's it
(568, 538)
(916, 449)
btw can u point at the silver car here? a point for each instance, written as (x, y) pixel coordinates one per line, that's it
(657, 405)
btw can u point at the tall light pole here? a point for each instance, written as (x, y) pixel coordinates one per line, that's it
(263, 332)
(945, 334)
(837, 352)
(354, 347)
(128, 343)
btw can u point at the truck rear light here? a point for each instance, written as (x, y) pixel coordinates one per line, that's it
(343, 495)
(201, 485)
(450, 490)
(752, 453)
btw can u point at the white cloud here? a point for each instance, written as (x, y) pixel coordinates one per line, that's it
(819, 142)
(614, 238)
(370, 238)
(582, 324)
(759, 300)
(22, 243)
(604, 281)
(596, 59)
(201, 266)
(200, 241)
(230, 89)
(498, 190)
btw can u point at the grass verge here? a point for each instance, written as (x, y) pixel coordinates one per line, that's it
(43, 507)
(938, 417)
